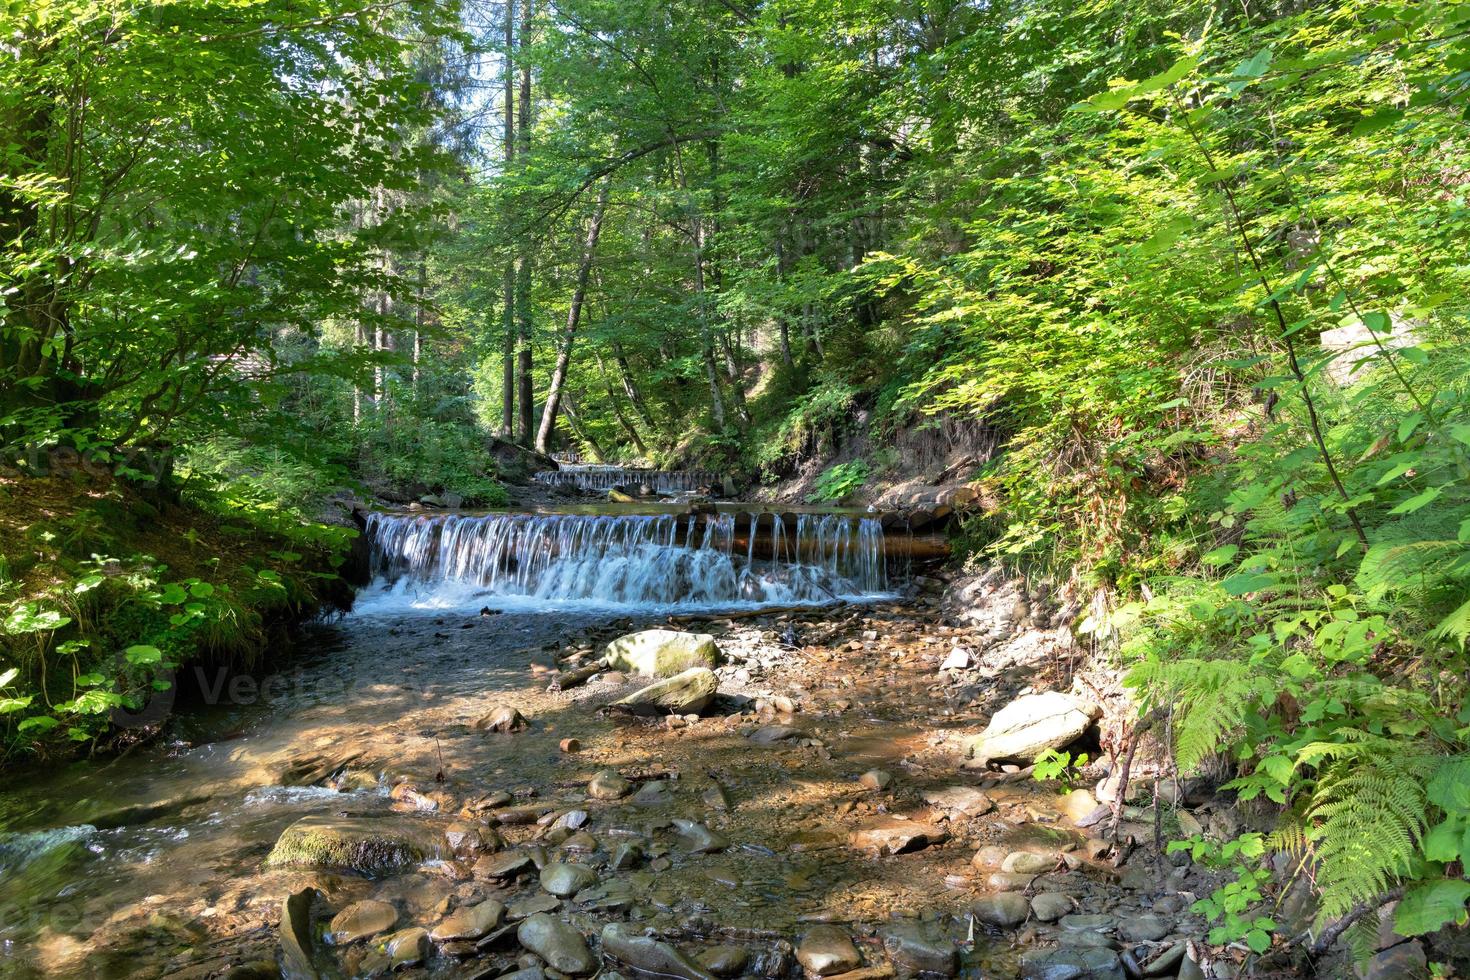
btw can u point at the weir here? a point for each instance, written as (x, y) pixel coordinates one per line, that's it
(635, 559)
(589, 476)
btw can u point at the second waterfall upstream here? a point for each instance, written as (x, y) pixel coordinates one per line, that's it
(635, 560)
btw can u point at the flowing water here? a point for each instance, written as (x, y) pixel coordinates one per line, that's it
(596, 476)
(106, 866)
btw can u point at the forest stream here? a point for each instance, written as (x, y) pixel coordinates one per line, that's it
(813, 814)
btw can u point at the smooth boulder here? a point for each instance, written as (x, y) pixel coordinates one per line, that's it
(366, 845)
(649, 956)
(1030, 725)
(661, 653)
(360, 920)
(827, 950)
(560, 945)
(687, 693)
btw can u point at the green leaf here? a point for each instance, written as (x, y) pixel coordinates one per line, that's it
(1418, 501)
(1431, 905)
(9, 676)
(1221, 555)
(1242, 583)
(143, 654)
(38, 724)
(1258, 940)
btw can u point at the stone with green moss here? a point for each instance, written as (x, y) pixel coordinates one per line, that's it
(365, 844)
(662, 653)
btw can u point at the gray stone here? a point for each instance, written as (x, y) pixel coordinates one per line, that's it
(1088, 923)
(501, 718)
(1051, 906)
(769, 734)
(826, 950)
(967, 800)
(1006, 910)
(656, 793)
(1144, 928)
(1028, 862)
(1405, 961)
(648, 955)
(661, 653)
(698, 838)
(915, 948)
(724, 961)
(1031, 724)
(561, 946)
(608, 785)
(565, 880)
(408, 947)
(1070, 964)
(501, 865)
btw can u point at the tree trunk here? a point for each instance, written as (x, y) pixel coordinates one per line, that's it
(781, 319)
(623, 420)
(574, 316)
(525, 389)
(508, 311)
(630, 387)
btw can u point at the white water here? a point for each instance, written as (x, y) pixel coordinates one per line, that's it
(512, 561)
(599, 476)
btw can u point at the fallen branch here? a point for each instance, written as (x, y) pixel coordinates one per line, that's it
(568, 679)
(1144, 724)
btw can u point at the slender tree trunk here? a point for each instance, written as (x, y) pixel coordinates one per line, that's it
(525, 388)
(508, 311)
(569, 408)
(630, 387)
(623, 420)
(574, 316)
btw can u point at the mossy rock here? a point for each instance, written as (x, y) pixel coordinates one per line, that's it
(662, 653)
(364, 844)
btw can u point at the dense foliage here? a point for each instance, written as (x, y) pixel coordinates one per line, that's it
(1198, 266)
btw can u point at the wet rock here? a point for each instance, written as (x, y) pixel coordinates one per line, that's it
(501, 865)
(580, 843)
(308, 770)
(1030, 724)
(698, 838)
(570, 820)
(625, 856)
(1070, 964)
(724, 961)
(1081, 922)
(360, 920)
(827, 950)
(916, 949)
(1051, 906)
(1400, 962)
(1078, 805)
(770, 734)
(1144, 928)
(1166, 963)
(407, 948)
(1029, 862)
(656, 793)
(648, 955)
(875, 779)
(662, 653)
(1006, 910)
(469, 922)
(894, 835)
(556, 942)
(964, 799)
(366, 845)
(530, 905)
(296, 938)
(716, 797)
(683, 694)
(565, 880)
(608, 785)
(502, 718)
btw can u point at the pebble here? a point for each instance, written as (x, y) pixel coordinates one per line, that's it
(501, 865)
(561, 946)
(827, 950)
(968, 800)
(360, 920)
(1028, 863)
(608, 785)
(1008, 881)
(1006, 910)
(656, 793)
(875, 779)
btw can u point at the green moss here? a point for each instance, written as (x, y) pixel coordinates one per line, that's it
(367, 845)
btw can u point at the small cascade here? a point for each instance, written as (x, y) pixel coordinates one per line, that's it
(631, 560)
(598, 476)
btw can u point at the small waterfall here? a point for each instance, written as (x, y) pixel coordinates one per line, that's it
(631, 560)
(590, 476)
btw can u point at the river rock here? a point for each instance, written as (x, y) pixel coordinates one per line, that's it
(662, 653)
(366, 845)
(1069, 963)
(502, 718)
(1051, 906)
(1031, 724)
(875, 779)
(724, 961)
(1009, 881)
(1028, 862)
(1144, 928)
(565, 880)
(625, 856)
(556, 942)
(958, 659)
(296, 938)
(826, 950)
(698, 838)
(916, 949)
(648, 955)
(688, 693)
(501, 865)
(1006, 910)
(655, 793)
(893, 835)
(360, 920)
(529, 905)
(965, 799)
(1081, 922)
(408, 947)
(469, 922)
(770, 734)
(608, 785)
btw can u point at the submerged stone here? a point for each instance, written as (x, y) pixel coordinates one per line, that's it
(367, 845)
